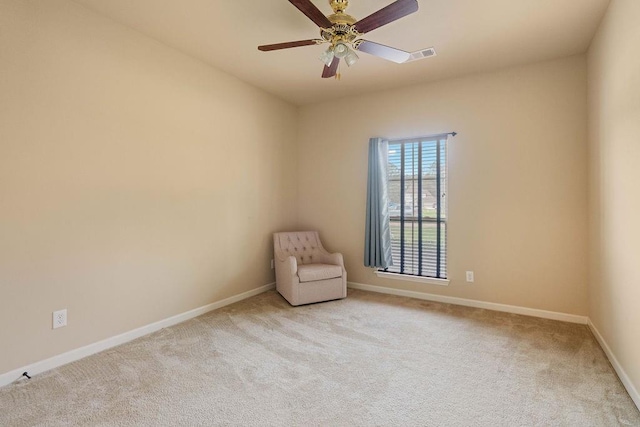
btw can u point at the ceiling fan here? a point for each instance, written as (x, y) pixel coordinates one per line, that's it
(342, 32)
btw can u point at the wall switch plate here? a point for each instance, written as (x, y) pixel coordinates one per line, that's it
(469, 276)
(272, 265)
(59, 318)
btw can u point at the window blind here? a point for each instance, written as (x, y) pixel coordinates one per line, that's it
(418, 206)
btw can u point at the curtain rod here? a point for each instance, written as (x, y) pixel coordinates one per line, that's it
(437, 135)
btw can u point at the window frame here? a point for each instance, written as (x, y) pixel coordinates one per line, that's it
(441, 281)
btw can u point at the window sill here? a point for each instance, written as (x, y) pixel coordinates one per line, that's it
(409, 278)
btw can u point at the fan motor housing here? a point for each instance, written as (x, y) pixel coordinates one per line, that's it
(339, 32)
(339, 17)
(342, 18)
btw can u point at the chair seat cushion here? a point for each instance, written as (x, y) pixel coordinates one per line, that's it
(315, 272)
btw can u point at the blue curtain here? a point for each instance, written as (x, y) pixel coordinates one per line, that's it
(377, 240)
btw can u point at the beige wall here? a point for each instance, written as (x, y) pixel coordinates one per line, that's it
(136, 183)
(614, 153)
(517, 179)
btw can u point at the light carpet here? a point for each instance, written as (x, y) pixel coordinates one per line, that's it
(370, 359)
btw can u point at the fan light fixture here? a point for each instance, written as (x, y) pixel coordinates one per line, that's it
(351, 58)
(327, 56)
(340, 50)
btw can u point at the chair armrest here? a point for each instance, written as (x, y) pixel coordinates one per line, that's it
(333, 259)
(287, 265)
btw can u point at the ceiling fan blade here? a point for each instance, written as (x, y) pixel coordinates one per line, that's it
(312, 12)
(382, 51)
(287, 45)
(331, 70)
(394, 11)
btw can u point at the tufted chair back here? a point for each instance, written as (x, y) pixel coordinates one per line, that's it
(303, 245)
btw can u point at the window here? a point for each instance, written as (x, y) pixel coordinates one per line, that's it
(418, 206)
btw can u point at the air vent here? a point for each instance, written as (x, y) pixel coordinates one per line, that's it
(421, 54)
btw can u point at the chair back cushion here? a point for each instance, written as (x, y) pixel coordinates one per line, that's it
(303, 245)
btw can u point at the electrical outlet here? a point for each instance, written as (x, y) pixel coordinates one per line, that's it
(59, 318)
(469, 276)
(272, 266)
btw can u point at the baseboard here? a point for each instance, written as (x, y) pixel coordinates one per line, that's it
(88, 350)
(633, 392)
(573, 318)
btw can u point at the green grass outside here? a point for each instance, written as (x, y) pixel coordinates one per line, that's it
(429, 231)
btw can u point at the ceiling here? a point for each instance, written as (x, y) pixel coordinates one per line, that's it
(469, 36)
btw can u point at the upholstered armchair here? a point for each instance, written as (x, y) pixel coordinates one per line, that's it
(305, 271)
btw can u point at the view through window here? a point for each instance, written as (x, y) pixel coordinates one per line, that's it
(418, 206)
